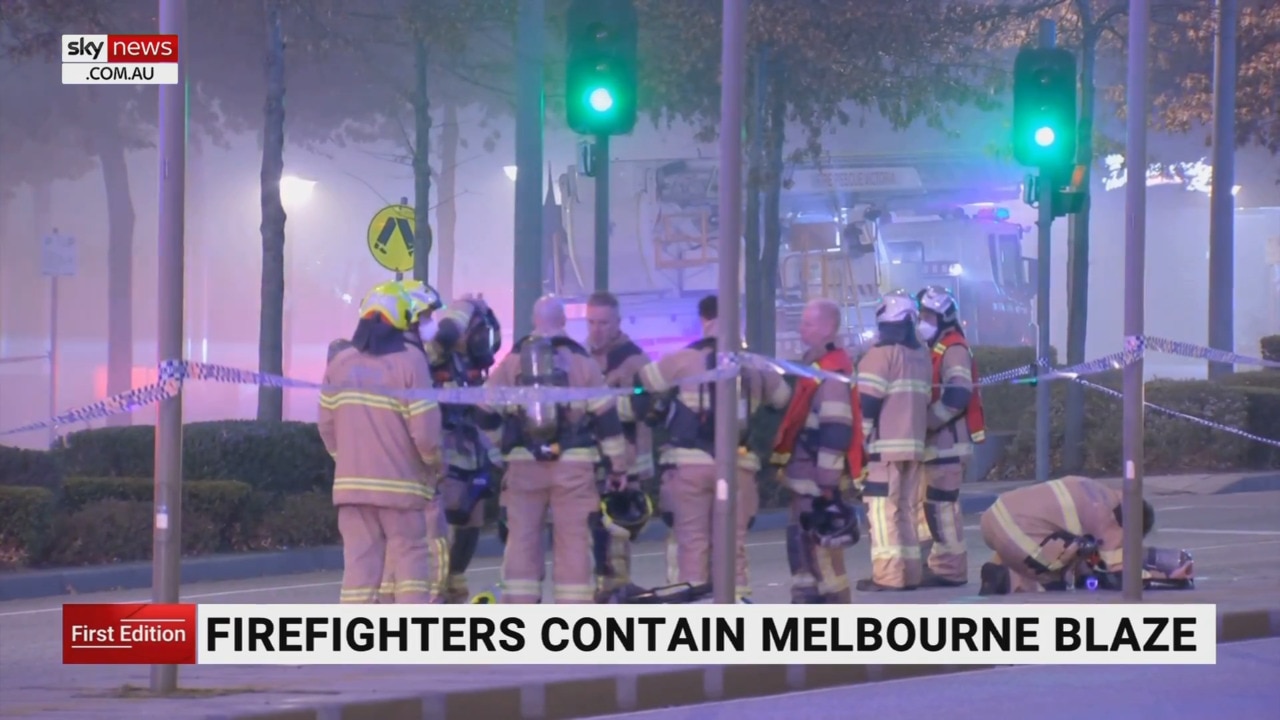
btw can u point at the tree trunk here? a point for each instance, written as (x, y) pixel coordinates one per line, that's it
(120, 221)
(271, 320)
(756, 308)
(447, 210)
(772, 241)
(1078, 260)
(421, 161)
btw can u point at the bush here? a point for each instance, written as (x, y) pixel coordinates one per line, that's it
(116, 531)
(29, 468)
(1004, 405)
(1270, 346)
(306, 520)
(275, 458)
(225, 503)
(26, 515)
(1262, 393)
(1172, 444)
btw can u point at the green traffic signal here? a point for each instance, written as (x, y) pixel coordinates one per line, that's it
(600, 100)
(1044, 108)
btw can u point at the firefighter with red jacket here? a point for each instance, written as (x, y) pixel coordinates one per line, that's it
(955, 425)
(819, 452)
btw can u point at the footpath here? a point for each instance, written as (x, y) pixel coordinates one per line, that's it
(975, 498)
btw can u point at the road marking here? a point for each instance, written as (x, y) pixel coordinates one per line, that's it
(1234, 545)
(308, 586)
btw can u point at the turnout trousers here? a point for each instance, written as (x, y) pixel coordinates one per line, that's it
(818, 574)
(374, 537)
(891, 494)
(567, 490)
(688, 496)
(940, 521)
(1010, 546)
(438, 553)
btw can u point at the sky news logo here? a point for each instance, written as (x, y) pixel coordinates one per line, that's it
(119, 59)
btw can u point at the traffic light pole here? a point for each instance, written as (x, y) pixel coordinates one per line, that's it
(529, 268)
(601, 171)
(1044, 250)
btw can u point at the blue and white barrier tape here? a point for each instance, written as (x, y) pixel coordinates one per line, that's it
(173, 373)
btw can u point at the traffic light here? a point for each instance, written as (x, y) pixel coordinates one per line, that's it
(600, 80)
(1044, 108)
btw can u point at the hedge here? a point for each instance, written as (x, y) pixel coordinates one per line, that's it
(1249, 401)
(30, 468)
(278, 459)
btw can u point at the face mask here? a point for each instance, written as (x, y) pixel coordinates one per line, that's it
(927, 329)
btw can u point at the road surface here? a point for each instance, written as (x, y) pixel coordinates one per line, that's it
(1234, 538)
(1242, 686)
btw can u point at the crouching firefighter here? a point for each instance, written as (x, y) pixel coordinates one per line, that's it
(1042, 532)
(818, 452)
(688, 462)
(551, 448)
(386, 452)
(467, 338)
(619, 359)
(955, 424)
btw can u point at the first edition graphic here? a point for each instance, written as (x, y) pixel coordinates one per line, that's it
(119, 59)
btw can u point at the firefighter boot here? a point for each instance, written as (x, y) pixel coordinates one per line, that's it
(804, 582)
(461, 551)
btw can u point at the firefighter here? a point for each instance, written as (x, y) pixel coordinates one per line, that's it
(551, 450)
(818, 451)
(689, 477)
(894, 392)
(955, 425)
(619, 359)
(386, 451)
(465, 344)
(1036, 532)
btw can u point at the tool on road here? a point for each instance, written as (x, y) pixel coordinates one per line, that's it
(1162, 569)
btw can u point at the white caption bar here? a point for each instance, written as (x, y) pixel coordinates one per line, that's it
(120, 74)
(1102, 634)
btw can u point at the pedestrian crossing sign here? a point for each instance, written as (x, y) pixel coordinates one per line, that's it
(391, 238)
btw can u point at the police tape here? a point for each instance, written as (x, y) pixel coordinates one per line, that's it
(174, 373)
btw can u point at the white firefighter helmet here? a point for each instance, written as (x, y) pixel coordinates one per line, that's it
(941, 301)
(897, 307)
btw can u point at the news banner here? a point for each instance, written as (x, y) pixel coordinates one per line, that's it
(120, 59)
(1032, 634)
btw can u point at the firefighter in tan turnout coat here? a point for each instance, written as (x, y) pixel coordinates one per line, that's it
(893, 389)
(386, 452)
(551, 452)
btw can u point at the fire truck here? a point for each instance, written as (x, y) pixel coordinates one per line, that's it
(852, 229)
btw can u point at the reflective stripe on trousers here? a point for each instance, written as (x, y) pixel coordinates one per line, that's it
(891, 495)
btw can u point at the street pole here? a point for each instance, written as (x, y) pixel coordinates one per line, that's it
(167, 540)
(733, 92)
(602, 212)
(1044, 251)
(1135, 251)
(530, 39)
(1222, 202)
(54, 358)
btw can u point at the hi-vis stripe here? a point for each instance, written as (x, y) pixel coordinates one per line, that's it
(1033, 549)
(333, 401)
(398, 487)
